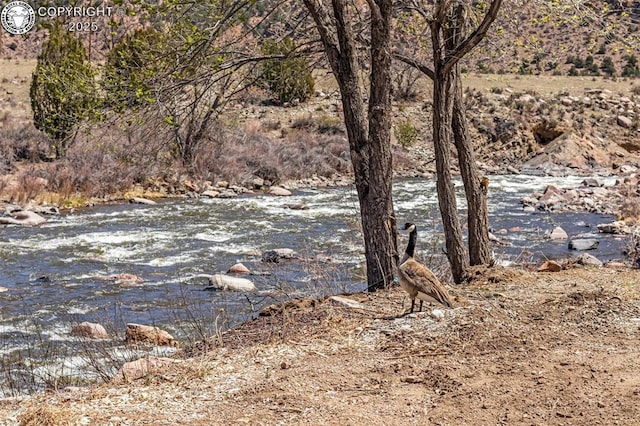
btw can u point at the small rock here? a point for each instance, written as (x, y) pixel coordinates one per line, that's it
(437, 314)
(591, 182)
(558, 234)
(127, 280)
(322, 258)
(298, 206)
(552, 189)
(526, 98)
(3, 289)
(588, 202)
(617, 227)
(615, 265)
(210, 193)
(227, 193)
(348, 302)
(529, 209)
(238, 268)
(222, 184)
(225, 282)
(139, 200)
(589, 260)
(274, 256)
(90, 330)
(257, 182)
(529, 201)
(138, 333)
(550, 266)
(142, 367)
(582, 244)
(628, 169)
(625, 122)
(279, 191)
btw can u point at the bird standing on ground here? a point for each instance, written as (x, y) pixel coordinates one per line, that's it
(418, 280)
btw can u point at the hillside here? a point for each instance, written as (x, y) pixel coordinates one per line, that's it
(529, 37)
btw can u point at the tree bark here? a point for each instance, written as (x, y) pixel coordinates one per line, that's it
(442, 112)
(475, 187)
(368, 134)
(378, 217)
(476, 193)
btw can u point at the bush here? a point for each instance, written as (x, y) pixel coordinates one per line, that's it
(130, 67)
(406, 133)
(288, 77)
(63, 88)
(405, 80)
(608, 67)
(631, 69)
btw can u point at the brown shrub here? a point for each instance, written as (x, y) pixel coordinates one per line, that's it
(238, 156)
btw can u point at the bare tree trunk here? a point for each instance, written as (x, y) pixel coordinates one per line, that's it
(379, 222)
(475, 190)
(477, 214)
(369, 137)
(442, 112)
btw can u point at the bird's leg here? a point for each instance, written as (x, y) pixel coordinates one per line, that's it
(413, 301)
(420, 306)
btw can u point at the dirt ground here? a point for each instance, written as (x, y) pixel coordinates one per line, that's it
(518, 348)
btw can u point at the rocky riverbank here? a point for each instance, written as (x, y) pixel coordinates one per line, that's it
(517, 348)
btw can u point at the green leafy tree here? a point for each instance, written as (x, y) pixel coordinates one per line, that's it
(175, 76)
(288, 77)
(63, 87)
(132, 65)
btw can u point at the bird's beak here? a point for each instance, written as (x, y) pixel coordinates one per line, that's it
(402, 231)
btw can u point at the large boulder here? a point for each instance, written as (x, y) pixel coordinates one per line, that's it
(89, 330)
(279, 191)
(140, 200)
(225, 282)
(574, 151)
(138, 333)
(23, 218)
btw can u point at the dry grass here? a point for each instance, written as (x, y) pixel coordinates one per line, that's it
(48, 416)
(519, 348)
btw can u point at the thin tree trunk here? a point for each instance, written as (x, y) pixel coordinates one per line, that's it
(477, 215)
(475, 190)
(442, 113)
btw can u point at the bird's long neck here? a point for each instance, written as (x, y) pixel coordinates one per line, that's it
(413, 237)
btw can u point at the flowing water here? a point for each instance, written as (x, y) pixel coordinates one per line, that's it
(55, 274)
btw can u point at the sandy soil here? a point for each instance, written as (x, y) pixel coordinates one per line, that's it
(519, 348)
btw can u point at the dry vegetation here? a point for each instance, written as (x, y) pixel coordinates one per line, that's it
(113, 158)
(519, 348)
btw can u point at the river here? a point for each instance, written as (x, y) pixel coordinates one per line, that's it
(54, 274)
